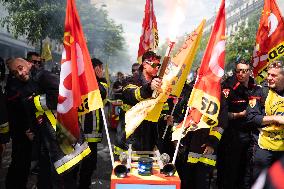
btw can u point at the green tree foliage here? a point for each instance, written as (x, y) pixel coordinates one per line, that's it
(34, 19)
(104, 37)
(200, 51)
(241, 44)
(38, 19)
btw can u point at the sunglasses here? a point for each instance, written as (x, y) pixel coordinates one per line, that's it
(276, 64)
(36, 62)
(244, 71)
(152, 64)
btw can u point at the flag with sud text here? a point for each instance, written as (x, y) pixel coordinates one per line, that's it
(149, 38)
(205, 97)
(78, 90)
(269, 39)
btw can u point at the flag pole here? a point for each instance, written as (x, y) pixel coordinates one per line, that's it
(172, 112)
(108, 139)
(180, 135)
(164, 65)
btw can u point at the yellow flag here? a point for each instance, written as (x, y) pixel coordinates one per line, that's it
(186, 55)
(142, 109)
(46, 52)
(185, 58)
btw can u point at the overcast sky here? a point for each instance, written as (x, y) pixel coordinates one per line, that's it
(130, 13)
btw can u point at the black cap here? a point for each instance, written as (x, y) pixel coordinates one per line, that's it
(96, 62)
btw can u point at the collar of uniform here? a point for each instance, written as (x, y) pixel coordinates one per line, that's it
(142, 78)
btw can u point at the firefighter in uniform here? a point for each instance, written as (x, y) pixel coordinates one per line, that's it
(235, 145)
(179, 114)
(202, 145)
(19, 167)
(136, 90)
(266, 113)
(117, 86)
(92, 124)
(40, 106)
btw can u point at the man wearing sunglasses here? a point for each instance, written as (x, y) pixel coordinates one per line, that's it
(233, 157)
(134, 91)
(35, 59)
(266, 113)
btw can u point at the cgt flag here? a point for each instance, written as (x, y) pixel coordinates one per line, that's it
(269, 39)
(149, 38)
(205, 96)
(78, 90)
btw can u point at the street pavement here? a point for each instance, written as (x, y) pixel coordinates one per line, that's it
(101, 176)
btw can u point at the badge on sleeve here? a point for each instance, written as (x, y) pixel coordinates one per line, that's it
(226, 92)
(252, 102)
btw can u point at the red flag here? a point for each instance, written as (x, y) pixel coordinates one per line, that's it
(77, 78)
(269, 39)
(149, 38)
(205, 96)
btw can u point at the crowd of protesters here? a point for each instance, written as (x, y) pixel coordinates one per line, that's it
(245, 147)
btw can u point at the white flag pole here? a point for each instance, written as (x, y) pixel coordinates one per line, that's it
(180, 135)
(108, 139)
(172, 112)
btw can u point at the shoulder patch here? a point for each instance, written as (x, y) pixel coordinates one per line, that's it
(252, 102)
(226, 92)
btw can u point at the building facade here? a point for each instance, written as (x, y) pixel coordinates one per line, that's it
(237, 14)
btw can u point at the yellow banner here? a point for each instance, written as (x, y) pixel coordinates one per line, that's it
(46, 52)
(140, 111)
(151, 109)
(184, 57)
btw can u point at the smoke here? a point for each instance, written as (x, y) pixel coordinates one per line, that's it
(175, 10)
(104, 36)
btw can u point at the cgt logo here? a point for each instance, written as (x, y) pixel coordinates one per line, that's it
(210, 107)
(273, 22)
(84, 108)
(64, 91)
